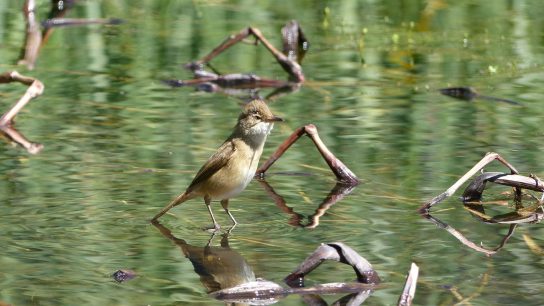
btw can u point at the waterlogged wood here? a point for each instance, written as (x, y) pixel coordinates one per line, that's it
(243, 84)
(336, 251)
(341, 171)
(35, 88)
(266, 292)
(469, 94)
(290, 66)
(263, 291)
(33, 38)
(409, 291)
(488, 158)
(63, 22)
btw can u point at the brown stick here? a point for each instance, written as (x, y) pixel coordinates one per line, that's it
(33, 37)
(341, 171)
(290, 66)
(35, 89)
(488, 158)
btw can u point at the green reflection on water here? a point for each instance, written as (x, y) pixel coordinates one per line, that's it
(119, 145)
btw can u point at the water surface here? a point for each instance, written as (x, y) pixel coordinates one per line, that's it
(119, 145)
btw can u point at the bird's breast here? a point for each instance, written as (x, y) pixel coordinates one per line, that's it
(237, 174)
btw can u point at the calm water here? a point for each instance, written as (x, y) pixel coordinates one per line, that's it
(119, 145)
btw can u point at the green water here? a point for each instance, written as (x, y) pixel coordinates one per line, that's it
(119, 145)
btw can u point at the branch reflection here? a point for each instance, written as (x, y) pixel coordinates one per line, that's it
(455, 233)
(337, 193)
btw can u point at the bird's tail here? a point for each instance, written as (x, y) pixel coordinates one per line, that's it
(178, 200)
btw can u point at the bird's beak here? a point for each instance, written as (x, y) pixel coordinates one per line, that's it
(275, 119)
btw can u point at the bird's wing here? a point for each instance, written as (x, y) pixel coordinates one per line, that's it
(214, 163)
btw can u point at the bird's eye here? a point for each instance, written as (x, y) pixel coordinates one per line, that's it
(257, 116)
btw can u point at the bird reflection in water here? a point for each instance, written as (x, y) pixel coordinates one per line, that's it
(228, 277)
(219, 267)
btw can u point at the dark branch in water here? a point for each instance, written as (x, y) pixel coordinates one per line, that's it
(469, 94)
(473, 194)
(336, 251)
(295, 46)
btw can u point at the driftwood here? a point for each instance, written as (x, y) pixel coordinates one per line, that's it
(469, 94)
(409, 290)
(341, 171)
(472, 196)
(295, 46)
(265, 292)
(474, 190)
(35, 88)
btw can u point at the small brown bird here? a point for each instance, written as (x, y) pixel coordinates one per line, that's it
(232, 167)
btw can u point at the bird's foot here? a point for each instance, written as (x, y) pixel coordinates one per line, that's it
(212, 228)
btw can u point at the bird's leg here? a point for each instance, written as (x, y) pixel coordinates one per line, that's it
(178, 200)
(225, 204)
(216, 225)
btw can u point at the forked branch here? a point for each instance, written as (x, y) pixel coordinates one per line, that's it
(35, 88)
(488, 158)
(342, 172)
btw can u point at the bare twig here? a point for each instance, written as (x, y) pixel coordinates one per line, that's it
(409, 290)
(35, 89)
(488, 158)
(33, 37)
(341, 171)
(6, 121)
(289, 65)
